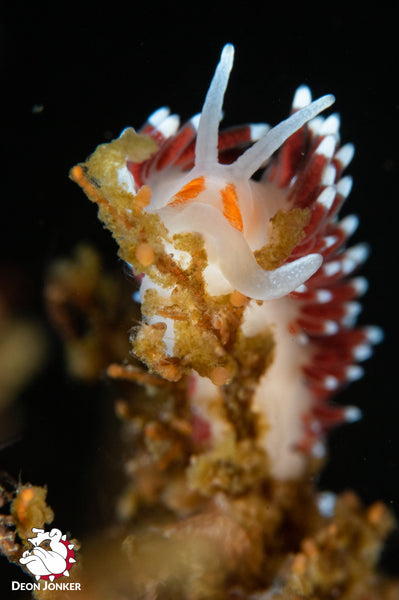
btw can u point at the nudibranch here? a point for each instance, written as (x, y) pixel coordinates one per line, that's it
(235, 238)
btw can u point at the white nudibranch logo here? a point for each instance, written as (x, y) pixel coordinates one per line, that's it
(49, 556)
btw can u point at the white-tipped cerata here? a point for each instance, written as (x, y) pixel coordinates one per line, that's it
(302, 97)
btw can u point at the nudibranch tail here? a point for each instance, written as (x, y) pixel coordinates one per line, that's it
(228, 262)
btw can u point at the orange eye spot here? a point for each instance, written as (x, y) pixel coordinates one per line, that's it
(231, 210)
(188, 192)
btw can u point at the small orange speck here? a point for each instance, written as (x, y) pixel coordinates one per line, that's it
(376, 513)
(169, 372)
(237, 299)
(154, 432)
(114, 370)
(333, 530)
(145, 254)
(142, 198)
(351, 500)
(27, 495)
(23, 500)
(158, 327)
(309, 547)
(77, 175)
(299, 564)
(219, 376)
(121, 409)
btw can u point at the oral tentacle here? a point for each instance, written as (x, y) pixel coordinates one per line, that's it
(239, 267)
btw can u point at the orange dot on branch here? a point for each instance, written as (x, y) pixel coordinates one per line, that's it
(237, 299)
(145, 254)
(220, 376)
(26, 495)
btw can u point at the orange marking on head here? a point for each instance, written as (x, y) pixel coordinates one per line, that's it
(188, 192)
(231, 210)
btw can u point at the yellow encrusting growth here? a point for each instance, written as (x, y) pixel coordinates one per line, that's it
(89, 307)
(29, 509)
(235, 467)
(286, 231)
(204, 326)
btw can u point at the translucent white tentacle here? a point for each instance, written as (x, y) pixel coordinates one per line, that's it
(206, 149)
(254, 157)
(228, 249)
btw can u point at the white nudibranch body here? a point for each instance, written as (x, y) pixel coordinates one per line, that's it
(230, 210)
(294, 276)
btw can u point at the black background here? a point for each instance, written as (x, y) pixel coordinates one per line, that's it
(96, 70)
